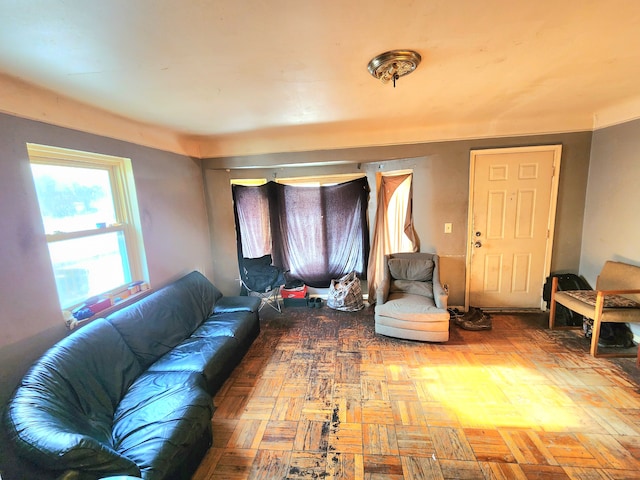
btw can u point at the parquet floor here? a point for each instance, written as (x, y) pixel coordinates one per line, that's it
(319, 395)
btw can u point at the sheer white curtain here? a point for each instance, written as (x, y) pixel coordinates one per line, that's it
(253, 220)
(393, 231)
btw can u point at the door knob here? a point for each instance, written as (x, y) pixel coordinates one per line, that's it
(477, 244)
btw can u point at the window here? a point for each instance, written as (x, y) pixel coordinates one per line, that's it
(316, 233)
(89, 211)
(393, 229)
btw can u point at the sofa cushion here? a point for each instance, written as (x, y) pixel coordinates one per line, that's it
(61, 414)
(239, 325)
(162, 415)
(414, 269)
(410, 307)
(157, 323)
(410, 286)
(209, 357)
(237, 304)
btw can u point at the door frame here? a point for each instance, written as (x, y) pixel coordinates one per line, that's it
(551, 221)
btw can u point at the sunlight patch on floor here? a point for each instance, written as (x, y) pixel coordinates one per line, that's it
(501, 396)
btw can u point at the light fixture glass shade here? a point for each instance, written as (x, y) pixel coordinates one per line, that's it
(394, 64)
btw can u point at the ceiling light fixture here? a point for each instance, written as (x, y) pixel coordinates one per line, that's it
(394, 64)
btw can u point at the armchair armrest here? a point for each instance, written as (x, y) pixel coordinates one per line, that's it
(382, 292)
(440, 296)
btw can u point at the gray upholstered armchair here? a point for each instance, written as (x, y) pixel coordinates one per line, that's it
(410, 301)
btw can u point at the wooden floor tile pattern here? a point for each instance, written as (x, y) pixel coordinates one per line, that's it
(321, 396)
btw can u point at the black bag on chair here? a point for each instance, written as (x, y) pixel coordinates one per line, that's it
(258, 275)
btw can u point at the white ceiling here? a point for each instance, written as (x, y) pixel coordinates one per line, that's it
(258, 76)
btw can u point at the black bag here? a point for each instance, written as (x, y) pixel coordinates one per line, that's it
(258, 275)
(617, 335)
(566, 281)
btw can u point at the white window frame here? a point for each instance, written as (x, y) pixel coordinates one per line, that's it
(124, 199)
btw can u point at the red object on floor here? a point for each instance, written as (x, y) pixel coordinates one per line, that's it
(294, 293)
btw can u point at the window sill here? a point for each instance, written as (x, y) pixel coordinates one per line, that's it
(72, 323)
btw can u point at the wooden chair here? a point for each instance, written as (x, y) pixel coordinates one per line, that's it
(616, 299)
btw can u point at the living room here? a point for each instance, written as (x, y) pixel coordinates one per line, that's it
(184, 198)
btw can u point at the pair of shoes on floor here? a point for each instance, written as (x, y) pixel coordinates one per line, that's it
(315, 302)
(475, 319)
(459, 317)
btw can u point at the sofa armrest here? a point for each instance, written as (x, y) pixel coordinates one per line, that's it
(237, 304)
(49, 436)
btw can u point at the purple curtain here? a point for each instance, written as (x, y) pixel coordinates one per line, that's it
(316, 233)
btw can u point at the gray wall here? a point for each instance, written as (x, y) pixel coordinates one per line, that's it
(174, 223)
(612, 225)
(441, 191)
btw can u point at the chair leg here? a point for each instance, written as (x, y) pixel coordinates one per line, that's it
(271, 298)
(595, 336)
(597, 322)
(552, 304)
(277, 307)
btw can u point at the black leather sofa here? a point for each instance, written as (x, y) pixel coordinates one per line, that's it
(132, 393)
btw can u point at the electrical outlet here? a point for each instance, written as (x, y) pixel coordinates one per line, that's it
(448, 227)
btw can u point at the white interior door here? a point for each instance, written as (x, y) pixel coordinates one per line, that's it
(512, 204)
